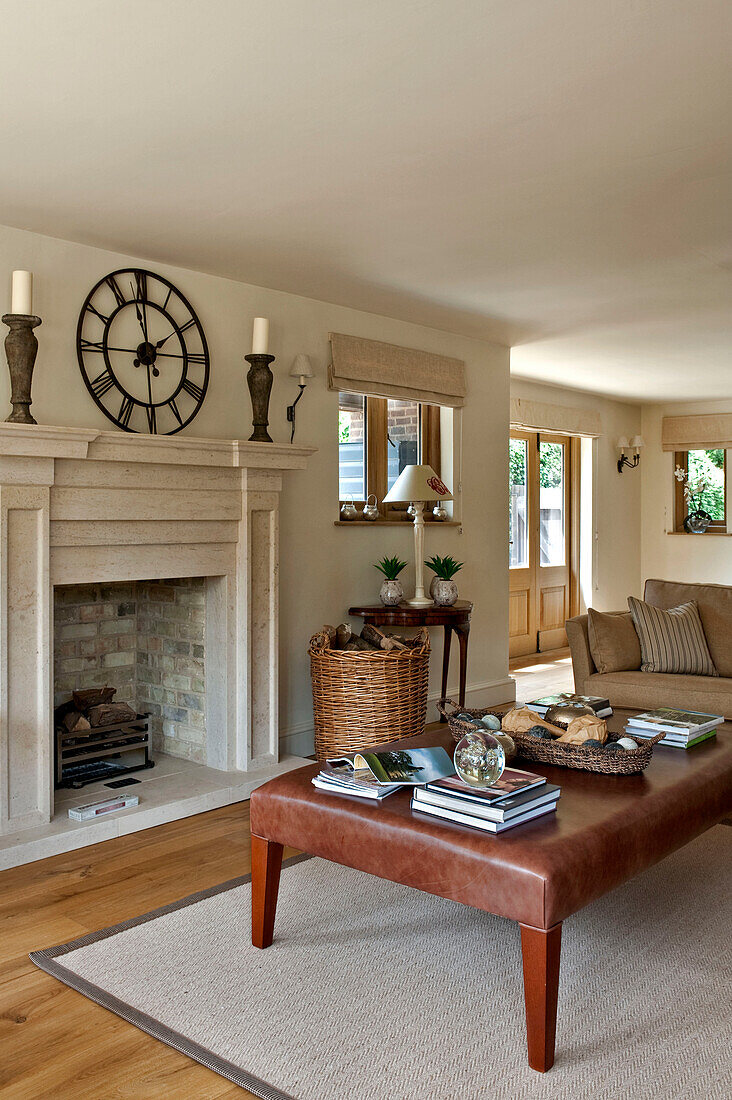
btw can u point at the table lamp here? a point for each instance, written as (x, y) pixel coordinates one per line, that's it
(415, 485)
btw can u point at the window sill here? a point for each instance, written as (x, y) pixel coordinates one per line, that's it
(725, 534)
(395, 523)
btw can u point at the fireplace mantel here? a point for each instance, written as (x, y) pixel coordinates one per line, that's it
(80, 505)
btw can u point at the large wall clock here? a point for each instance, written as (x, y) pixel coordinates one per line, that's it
(142, 352)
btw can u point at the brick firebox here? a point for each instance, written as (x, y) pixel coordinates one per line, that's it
(146, 639)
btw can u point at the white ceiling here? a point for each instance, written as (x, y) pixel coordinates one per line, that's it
(556, 174)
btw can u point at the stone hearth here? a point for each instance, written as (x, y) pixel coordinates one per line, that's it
(84, 507)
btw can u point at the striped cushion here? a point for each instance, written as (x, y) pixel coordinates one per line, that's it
(673, 640)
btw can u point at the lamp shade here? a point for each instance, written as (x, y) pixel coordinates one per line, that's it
(622, 443)
(637, 442)
(301, 367)
(417, 483)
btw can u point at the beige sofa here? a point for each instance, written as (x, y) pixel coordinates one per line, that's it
(634, 688)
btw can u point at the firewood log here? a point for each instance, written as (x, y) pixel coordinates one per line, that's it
(107, 713)
(380, 640)
(75, 722)
(92, 697)
(358, 645)
(343, 635)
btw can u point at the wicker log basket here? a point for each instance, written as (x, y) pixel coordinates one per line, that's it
(560, 754)
(364, 699)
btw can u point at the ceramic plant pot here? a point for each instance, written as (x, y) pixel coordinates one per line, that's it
(444, 593)
(391, 593)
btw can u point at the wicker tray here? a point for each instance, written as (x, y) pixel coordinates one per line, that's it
(561, 755)
(364, 699)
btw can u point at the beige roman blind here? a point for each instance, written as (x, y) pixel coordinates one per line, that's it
(538, 416)
(696, 433)
(387, 370)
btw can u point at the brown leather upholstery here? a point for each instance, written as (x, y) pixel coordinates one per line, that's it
(607, 829)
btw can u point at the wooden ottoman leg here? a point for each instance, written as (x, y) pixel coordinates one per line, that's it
(266, 866)
(540, 951)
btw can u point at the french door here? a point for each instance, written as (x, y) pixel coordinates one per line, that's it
(540, 530)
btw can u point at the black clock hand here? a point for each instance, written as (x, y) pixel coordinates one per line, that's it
(141, 317)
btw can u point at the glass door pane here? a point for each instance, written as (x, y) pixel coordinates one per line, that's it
(518, 519)
(551, 503)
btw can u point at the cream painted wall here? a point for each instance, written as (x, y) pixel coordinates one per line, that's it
(616, 528)
(324, 568)
(676, 557)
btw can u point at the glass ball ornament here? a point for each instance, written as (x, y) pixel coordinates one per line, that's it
(479, 758)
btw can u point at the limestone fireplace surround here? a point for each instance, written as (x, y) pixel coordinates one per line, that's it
(80, 506)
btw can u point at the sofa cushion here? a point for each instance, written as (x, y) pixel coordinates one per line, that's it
(671, 641)
(614, 643)
(646, 690)
(715, 608)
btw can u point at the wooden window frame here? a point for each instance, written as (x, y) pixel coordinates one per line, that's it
(376, 451)
(717, 526)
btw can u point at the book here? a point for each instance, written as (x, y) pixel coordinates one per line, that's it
(511, 781)
(600, 706)
(500, 809)
(408, 767)
(687, 723)
(475, 822)
(672, 740)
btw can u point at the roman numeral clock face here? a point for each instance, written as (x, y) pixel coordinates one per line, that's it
(142, 352)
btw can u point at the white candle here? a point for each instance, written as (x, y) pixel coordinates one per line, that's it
(21, 299)
(260, 336)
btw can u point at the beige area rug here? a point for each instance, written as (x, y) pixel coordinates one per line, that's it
(374, 990)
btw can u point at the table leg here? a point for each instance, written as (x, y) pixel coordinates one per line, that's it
(266, 865)
(445, 663)
(463, 630)
(540, 950)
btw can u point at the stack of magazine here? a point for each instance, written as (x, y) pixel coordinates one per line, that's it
(600, 706)
(378, 774)
(516, 797)
(683, 728)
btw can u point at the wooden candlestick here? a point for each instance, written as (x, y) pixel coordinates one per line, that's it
(259, 380)
(21, 348)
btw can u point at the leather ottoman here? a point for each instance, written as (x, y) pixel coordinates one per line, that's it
(606, 830)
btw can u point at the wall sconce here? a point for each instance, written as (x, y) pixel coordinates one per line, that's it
(634, 445)
(302, 370)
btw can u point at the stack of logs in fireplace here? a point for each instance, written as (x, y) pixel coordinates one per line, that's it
(98, 738)
(89, 709)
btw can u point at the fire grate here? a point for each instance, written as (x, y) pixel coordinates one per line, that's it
(102, 752)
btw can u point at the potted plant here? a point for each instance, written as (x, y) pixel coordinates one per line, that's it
(391, 592)
(443, 589)
(697, 518)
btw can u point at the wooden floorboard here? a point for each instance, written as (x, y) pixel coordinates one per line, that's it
(56, 1044)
